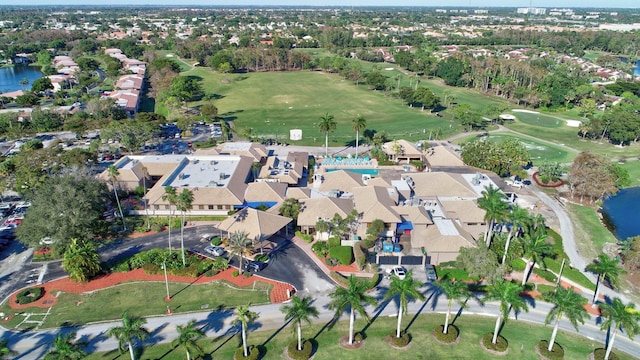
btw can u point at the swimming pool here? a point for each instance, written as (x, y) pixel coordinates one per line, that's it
(372, 172)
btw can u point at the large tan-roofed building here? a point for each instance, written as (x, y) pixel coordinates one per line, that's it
(442, 185)
(342, 180)
(442, 156)
(374, 202)
(402, 151)
(259, 225)
(265, 192)
(322, 208)
(442, 241)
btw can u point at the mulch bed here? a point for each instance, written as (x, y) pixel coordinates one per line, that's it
(550, 184)
(389, 341)
(344, 342)
(51, 289)
(490, 351)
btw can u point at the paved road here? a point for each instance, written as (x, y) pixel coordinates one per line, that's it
(33, 345)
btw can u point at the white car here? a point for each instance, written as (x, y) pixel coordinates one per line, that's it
(214, 250)
(398, 271)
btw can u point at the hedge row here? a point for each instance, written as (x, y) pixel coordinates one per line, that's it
(30, 295)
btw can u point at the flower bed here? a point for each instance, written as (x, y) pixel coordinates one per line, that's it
(550, 184)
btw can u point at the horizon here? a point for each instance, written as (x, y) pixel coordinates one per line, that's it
(590, 4)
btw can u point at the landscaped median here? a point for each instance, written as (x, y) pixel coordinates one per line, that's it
(106, 297)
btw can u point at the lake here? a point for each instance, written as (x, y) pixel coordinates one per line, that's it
(620, 213)
(636, 70)
(10, 77)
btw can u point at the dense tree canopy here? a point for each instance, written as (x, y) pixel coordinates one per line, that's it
(505, 157)
(594, 177)
(65, 207)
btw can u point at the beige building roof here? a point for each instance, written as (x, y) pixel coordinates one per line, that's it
(259, 225)
(340, 180)
(467, 211)
(298, 193)
(441, 185)
(325, 208)
(256, 151)
(374, 202)
(416, 214)
(407, 149)
(442, 244)
(282, 170)
(439, 156)
(265, 191)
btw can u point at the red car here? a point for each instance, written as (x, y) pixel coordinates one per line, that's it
(13, 222)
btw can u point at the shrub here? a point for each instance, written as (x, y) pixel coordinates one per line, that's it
(361, 256)
(204, 266)
(261, 257)
(235, 273)
(518, 265)
(216, 241)
(332, 261)
(211, 272)
(247, 274)
(306, 237)
(30, 295)
(556, 353)
(189, 271)
(449, 337)
(545, 274)
(254, 353)
(334, 241)
(220, 264)
(500, 345)
(151, 269)
(344, 254)
(401, 341)
(598, 354)
(343, 280)
(359, 336)
(320, 248)
(157, 227)
(304, 354)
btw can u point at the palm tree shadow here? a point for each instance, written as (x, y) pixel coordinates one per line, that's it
(328, 326)
(229, 334)
(379, 309)
(275, 333)
(413, 319)
(187, 286)
(459, 312)
(215, 321)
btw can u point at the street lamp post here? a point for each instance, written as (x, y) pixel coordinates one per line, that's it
(166, 280)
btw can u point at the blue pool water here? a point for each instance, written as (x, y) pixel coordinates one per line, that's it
(372, 172)
(621, 213)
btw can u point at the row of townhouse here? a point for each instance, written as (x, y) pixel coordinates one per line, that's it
(129, 87)
(433, 211)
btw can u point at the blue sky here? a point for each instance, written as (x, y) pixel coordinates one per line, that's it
(439, 3)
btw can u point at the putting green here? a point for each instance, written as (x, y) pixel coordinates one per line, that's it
(539, 119)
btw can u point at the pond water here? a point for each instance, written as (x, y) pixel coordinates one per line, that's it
(10, 77)
(636, 70)
(620, 213)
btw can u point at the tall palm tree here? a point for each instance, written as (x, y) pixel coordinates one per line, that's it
(145, 173)
(188, 336)
(65, 348)
(518, 217)
(405, 289)
(454, 291)
(566, 302)
(508, 294)
(132, 328)
(244, 317)
(492, 202)
(113, 175)
(354, 297)
(326, 125)
(607, 269)
(535, 249)
(239, 242)
(171, 197)
(300, 310)
(358, 124)
(184, 203)
(618, 316)
(5, 350)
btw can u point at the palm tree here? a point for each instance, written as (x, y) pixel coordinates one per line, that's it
(298, 312)
(244, 316)
(145, 173)
(518, 217)
(358, 124)
(239, 242)
(184, 203)
(618, 316)
(65, 348)
(5, 350)
(508, 294)
(535, 249)
(188, 336)
(113, 175)
(566, 302)
(132, 328)
(327, 124)
(171, 197)
(354, 297)
(607, 269)
(81, 261)
(454, 291)
(405, 289)
(492, 202)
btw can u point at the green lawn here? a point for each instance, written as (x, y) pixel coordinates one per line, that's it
(184, 66)
(522, 339)
(143, 299)
(590, 233)
(539, 119)
(538, 150)
(273, 103)
(633, 167)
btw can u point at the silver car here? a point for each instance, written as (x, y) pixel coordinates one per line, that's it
(214, 250)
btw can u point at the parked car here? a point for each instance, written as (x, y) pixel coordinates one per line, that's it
(254, 266)
(431, 272)
(214, 250)
(398, 271)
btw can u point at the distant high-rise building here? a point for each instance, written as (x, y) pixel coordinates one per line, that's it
(532, 11)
